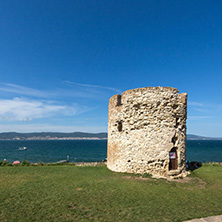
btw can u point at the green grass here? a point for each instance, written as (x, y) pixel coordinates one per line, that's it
(70, 193)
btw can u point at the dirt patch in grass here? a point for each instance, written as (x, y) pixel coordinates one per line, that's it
(79, 188)
(201, 184)
(90, 164)
(181, 180)
(137, 178)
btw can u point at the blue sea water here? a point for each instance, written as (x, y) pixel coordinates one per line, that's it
(92, 150)
(53, 150)
(204, 150)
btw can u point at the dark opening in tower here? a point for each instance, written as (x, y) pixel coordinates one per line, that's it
(120, 126)
(118, 100)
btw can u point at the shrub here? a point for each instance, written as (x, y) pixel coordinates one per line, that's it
(146, 175)
(25, 163)
(5, 163)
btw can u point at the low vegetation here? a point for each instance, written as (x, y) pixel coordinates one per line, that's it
(27, 163)
(65, 193)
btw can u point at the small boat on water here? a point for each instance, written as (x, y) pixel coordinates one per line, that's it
(23, 148)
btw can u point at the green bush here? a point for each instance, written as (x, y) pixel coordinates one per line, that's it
(146, 175)
(40, 164)
(5, 163)
(25, 163)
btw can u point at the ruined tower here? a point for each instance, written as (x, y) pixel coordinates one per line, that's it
(147, 131)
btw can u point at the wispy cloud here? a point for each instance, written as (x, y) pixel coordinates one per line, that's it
(200, 117)
(205, 107)
(26, 110)
(63, 92)
(21, 90)
(190, 103)
(201, 110)
(93, 86)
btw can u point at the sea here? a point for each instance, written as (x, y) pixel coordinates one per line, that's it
(50, 151)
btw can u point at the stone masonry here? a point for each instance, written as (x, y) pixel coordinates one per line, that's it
(147, 132)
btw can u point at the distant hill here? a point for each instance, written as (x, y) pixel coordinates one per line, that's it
(51, 135)
(195, 137)
(72, 136)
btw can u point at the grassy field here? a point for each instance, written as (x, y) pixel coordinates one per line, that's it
(71, 193)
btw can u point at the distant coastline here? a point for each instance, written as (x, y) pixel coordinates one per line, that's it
(74, 136)
(195, 137)
(55, 138)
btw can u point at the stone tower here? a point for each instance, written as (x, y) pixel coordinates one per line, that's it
(147, 131)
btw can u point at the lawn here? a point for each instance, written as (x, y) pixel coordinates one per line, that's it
(71, 193)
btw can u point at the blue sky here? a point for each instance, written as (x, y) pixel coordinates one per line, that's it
(61, 61)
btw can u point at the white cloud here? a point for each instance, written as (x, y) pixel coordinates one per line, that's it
(26, 110)
(93, 86)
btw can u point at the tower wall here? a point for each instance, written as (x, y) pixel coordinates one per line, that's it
(144, 125)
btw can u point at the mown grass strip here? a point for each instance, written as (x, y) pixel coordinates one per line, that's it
(65, 193)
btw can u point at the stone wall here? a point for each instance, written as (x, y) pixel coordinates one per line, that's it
(144, 125)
